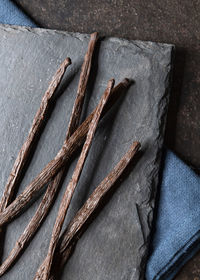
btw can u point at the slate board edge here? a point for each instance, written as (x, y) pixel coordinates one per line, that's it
(155, 181)
(37, 30)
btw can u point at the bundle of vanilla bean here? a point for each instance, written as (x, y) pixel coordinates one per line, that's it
(60, 246)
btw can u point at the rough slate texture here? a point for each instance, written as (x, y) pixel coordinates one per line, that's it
(115, 244)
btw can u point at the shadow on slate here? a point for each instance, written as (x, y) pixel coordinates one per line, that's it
(174, 101)
(115, 243)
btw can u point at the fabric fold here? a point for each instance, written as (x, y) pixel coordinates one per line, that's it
(177, 229)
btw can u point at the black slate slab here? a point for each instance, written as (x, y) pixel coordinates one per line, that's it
(115, 245)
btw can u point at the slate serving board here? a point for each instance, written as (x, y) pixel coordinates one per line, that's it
(115, 244)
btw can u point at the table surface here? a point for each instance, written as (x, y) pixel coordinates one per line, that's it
(170, 21)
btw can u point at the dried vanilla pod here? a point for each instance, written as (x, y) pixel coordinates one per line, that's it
(74, 181)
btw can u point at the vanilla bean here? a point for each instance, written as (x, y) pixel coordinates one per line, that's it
(93, 202)
(74, 181)
(85, 72)
(51, 191)
(53, 167)
(33, 225)
(66, 241)
(32, 136)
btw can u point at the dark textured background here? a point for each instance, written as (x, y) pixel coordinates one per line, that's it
(170, 21)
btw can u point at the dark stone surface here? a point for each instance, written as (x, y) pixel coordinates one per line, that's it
(174, 21)
(115, 244)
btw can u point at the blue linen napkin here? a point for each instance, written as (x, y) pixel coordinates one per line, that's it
(177, 225)
(11, 14)
(176, 232)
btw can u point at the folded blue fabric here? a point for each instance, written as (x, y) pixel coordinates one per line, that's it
(11, 14)
(177, 226)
